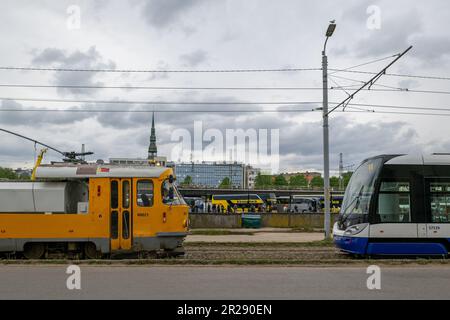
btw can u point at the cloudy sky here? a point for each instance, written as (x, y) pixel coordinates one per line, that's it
(220, 35)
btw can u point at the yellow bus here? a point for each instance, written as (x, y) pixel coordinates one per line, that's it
(236, 203)
(92, 211)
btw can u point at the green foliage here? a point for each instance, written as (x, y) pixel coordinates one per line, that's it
(7, 173)
(334, 182)
(298, 181)
(225, 184)
(187, 181)
(263, 181)
(317, 182)
(346, 176)
(280, 181)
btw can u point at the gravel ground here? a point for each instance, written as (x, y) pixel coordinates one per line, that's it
(261, 252)
(275, 253)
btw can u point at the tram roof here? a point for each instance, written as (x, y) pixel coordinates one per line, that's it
(418, 159)
(57, 171)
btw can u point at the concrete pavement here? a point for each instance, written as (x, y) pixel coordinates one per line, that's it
(259, 235)
(185, 282)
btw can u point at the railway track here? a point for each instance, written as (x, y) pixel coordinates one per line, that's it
(237, 254)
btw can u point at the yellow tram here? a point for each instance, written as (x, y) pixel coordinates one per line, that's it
(93, 210)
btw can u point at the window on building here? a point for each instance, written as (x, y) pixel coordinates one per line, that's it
(394, 202)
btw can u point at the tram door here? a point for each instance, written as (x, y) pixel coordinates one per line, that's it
(121, 215)
(437, 194)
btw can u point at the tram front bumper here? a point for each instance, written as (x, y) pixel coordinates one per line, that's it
(163, 240)
(350, 244)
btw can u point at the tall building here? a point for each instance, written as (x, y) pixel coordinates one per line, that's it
(152, 150)
(211, 174)
(250, 176)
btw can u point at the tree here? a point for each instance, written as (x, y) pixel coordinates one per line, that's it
(298, 181)
(280, 181)
(187, 181)
(7, 173)
(334, 182)
(225, 184)
(346, 176)
(263, 181)
(317, 182)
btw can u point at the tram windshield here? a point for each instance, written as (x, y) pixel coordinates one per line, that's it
(360, 188)
(170, 194)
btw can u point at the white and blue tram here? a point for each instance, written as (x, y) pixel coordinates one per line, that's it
(397, 205)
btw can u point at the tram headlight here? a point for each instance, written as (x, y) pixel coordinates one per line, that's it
(355, 229)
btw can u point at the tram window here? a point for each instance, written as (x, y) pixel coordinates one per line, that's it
(144, 193)
(114, 194)
(440, 202)
(394, 186)
(394, 202)
(114, 224)
(126, 225)
(170, 194)
(126, 194)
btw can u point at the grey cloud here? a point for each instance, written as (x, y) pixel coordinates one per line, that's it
(394, 35)
(408, 83)
(356, 141)
(48, 56)
(37, 118)
(91, 59)
(431, 50)
(301, 144)
(194, 58)
(400, 28)
(164, 13)
(161, 65)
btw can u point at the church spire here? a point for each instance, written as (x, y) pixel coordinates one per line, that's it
(152, 150)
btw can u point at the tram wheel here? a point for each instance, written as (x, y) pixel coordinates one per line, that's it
(179, 251)
(90, 251)
(33, 250)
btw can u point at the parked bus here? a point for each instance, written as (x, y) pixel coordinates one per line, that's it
(297, 204)
(397, 204)
(92, 210)
(242, 202)
(335, 203)
(270, 199)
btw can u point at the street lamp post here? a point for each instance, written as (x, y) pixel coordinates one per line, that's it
(326, 151)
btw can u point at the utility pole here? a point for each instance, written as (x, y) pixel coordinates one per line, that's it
(326, 151)
(341, 172)
(343, 104)
(82, 151)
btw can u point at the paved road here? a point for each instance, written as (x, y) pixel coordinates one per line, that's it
(183, 282)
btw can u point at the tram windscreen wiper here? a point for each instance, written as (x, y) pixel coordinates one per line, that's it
(357, 199)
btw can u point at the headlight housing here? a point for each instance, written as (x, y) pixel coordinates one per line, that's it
(355, 229)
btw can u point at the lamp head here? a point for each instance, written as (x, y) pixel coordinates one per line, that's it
(330, 29)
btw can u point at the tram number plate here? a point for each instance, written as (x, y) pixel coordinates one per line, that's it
(142, 214)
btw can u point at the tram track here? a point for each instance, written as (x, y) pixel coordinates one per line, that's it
(242, 254)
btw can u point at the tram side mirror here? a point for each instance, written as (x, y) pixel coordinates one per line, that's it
(171, 179)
